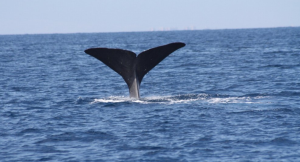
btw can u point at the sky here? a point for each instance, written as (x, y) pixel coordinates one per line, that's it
(89, 16)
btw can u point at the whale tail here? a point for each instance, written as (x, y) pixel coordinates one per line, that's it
(131, 67)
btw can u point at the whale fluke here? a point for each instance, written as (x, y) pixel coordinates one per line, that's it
(131, 67)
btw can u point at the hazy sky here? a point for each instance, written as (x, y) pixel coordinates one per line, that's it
(73, 16)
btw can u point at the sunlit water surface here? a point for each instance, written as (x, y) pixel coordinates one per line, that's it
(228, 95)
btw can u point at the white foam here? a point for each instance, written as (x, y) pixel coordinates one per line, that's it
(112, 99)
(180, 99)
(247, 100)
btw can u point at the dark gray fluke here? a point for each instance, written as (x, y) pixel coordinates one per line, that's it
(131, 67)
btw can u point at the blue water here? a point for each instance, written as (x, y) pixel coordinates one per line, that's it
(228, 95)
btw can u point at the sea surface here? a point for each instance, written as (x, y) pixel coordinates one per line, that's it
(228, 95)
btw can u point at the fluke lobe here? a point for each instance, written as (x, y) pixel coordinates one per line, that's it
(131, 67)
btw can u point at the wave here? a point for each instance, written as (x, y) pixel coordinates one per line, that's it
(185, 98)
(281, 66)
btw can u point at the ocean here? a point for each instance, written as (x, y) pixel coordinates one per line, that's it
(228, 95)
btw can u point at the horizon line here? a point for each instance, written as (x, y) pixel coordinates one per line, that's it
(137, 31)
